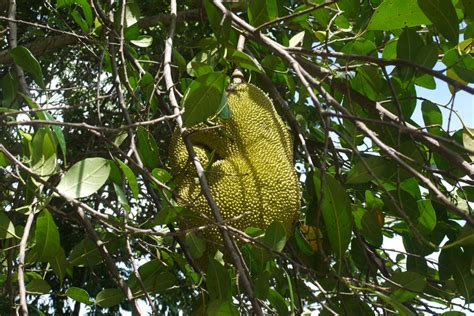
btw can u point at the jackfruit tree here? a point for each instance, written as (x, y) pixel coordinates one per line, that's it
(237, 157)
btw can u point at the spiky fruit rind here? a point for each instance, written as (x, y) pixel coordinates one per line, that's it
(249, 166)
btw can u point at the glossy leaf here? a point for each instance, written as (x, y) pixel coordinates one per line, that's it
(221, 308)
(431, 114)
(84, 178)
(47, 242)
(275, 237)
(443, 16)
(218, 281)
(142, 41)
(203, 98)
(59, 264)
(147, 148)
(399, 13)
(195, 244)
(427, 219)
(336, 211)
(38, 286)
(25, 59)
(7, 229)
(371, 169)
(109, 297)
(260, 12)
(85, 253)
(408, 285)
(155, 276)
(131, 178)
(278, 302)
(79, 295)
(468, 140)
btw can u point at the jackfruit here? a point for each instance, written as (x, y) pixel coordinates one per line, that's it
(248, 160)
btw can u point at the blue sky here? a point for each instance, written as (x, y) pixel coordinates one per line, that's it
(463, 104)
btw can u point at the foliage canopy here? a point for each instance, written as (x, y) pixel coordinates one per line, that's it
(89, 100)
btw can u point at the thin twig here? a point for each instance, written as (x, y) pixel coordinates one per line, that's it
(91, 127)
(385, 62)
(21, 263)
(294, 15)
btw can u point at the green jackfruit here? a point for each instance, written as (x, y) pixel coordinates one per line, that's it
(249, 166)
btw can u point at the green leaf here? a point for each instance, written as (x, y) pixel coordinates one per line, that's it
(84, 178)
(262, 285)
(155, 277)
(397, 14)
(456, 262)
(167, 216)
(431, 114)
(109, 297)
(25, 59)
(380, 168)
(408, 46)
(142, 41)
(45, 115)
(371, 229)
(296, 40)
(59, 264)
(278, 302)
(409, 285)
(222, 308)
(43, 156)
(38, 286)
(3, 160)
(47, 242)
(218, 281)
(468, 140)
(43, 145)
(453, 313)
(468, 8)
(275, 236)
(131, 178)
(147, 148)
(77, 17)
(9, 86)
(427, 55)
(122, 199)
(443, 15)
(132, 13)
(245, 61)
(203, 98)
(260, 12)
(7, 229)
(85, 253)
(196, 245)
(466, 192)
(79, 295)
(86, 10)
(402, 309)
(303, 244)
(220, 25)
(161, 175)
(427, 219)
(336, 211)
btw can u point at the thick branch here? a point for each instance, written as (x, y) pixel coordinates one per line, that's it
(55, 42)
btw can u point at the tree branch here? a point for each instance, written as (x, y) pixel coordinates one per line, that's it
(54, 42)
(227, 238)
